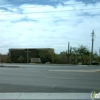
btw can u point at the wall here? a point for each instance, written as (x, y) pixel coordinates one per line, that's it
(3, 58)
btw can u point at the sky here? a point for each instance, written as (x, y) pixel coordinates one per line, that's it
(49, 24)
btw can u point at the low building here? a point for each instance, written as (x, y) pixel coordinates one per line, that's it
(3, 58)
(24, 55)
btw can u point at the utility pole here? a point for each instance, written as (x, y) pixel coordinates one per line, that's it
(68, 52)
(92, 46)
(0, 60)
(27, 55)
(99, 52)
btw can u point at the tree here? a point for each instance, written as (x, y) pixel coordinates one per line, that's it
(21, 59)
(57, 59)
(8, 60)
(63, 53)
(80, 53)
(74, 53)
(63, 57)
(47, 55)
(95, 56)
(83, 51)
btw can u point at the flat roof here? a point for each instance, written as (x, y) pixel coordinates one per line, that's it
(27, 48)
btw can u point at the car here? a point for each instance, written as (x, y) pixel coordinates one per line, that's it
(95, 63)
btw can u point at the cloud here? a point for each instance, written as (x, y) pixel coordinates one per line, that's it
(88, 1)
(53, 3)
(32, 25)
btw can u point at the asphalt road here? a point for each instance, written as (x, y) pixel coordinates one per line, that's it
(49, 78)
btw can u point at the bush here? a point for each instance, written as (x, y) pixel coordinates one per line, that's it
(47, 63)
(79, 63)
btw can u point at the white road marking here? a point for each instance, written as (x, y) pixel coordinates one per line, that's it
(60, 78)
(90, 71)
(68, 73)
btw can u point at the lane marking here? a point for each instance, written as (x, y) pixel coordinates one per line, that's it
(61, 78)
(91, 71)
(74, 74)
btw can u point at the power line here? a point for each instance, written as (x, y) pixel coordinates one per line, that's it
(38, 1)
(53, 11)
(43, 5)
(36, 18)
(50, 17)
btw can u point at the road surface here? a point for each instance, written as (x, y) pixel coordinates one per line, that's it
(49, 78)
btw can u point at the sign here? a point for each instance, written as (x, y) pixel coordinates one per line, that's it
(35, 60)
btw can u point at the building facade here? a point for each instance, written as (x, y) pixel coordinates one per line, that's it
(3, 58)
(25, 55)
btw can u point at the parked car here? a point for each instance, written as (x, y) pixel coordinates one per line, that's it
(95, 63)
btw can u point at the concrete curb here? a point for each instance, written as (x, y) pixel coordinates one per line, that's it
(45, 96)
(10, 66)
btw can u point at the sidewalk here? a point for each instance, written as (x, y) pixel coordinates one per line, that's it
(45, 96)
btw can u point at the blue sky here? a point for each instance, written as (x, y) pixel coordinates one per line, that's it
(48, 24)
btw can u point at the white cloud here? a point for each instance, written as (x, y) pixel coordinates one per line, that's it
(53, 29)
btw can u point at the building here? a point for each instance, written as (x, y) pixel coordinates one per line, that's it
(24, 55)
(3, 58)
